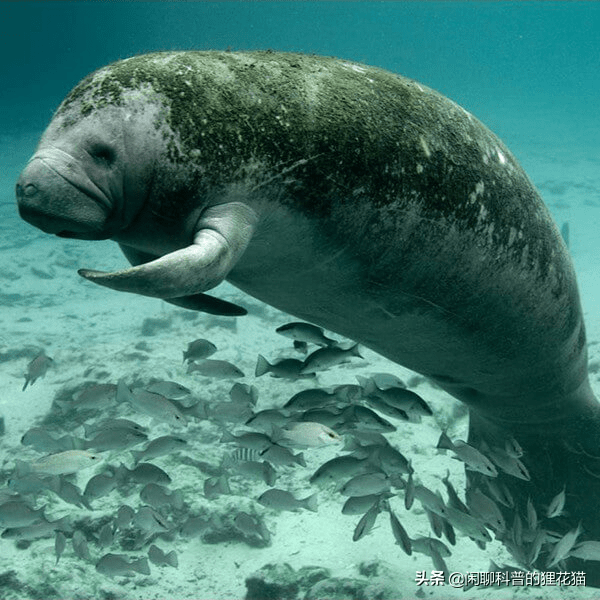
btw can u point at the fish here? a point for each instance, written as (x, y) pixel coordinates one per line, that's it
(118, 565)
(17, 513)
(586, 550)
(306, 435)
(367, 522)
(265, 420)
(252, 526)
(513, 448)
(142, 473)
(278, 455)
(397, 397)
(199, 350)
(281, 500)
(330, 417)
(118, 438)
(69, 492)
(60, 543)
(166, 444)
(106, 535)
(157, 496)
(562, 549)
(217, 369)
(169, 389)
(37, 368)
(230, 412)
(509, 464)
(80, 546)
(473, 458)
(383, 381)
(363, 418)
(486, 509)
(425, 545)
(253, 440)
(96, 396)
(390, 411)
(409, 492)
(149, 521)
(216, 486)
(156, 406)
(62, 463)
(124, 516)
(160, 558)
(359, 505)
(324, 358)
(286, 368)
(92, 428)
(390, 460)
(557, 505)
(254, 469)
(243, 393)
(99, 486)
(305, 332)
(430, 500)
(339, 468)
(311, 398)
(365, 484)
(29, 483)
(532, 519)
(400, 535)
(453, 498)
(357, 439)
(41, 440)
(467, 524)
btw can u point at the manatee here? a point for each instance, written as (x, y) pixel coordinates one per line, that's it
(355, 199)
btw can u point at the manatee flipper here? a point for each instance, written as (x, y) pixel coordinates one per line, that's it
(223, 233)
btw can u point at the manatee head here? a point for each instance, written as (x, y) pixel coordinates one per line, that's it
(92, 170)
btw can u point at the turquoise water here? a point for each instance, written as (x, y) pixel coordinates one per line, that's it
(528, 70)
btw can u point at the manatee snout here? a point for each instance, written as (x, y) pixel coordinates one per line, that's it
(65, 203)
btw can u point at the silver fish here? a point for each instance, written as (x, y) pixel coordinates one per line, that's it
(217, 369)
(96, 396)
(80, 546)
(118, 565)
(363, 418)
(367, 522)
(305, 332)
(509, 464)
(253, 440)
(486, 509)
(339, 468)
(473, 458)
(16, 513)
(367, 483)
(115, 439)
(252, 526)
(92, 428)
(467, 524)
(424, 545)
(306, 435)
(166, 444)
(99, 486)
(106, 536)
(284, 500)
(149, 521)
(62, 463)
(156, 406)
(41, 440)
(586, 550)
(37, 368)
(563, 548)
(142, 473)
(60, 543)
(324, 358)
(157, 496)
(278, 455)
(169, 389)
(359, 505)
(311, 398)
(400, 535)
(286, 368)
(199, 350)
(243, 393)
(265, 420)
(124, 516)
(383, 407)
(557, 505)
(254, 469)
(430, 500)
(160, 558)
(215, 486)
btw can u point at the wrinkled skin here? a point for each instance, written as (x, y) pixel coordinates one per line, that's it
(351, 198)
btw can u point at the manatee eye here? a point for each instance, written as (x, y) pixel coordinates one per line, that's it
(103, 153)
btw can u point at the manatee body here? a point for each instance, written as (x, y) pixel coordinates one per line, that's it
(352, 198)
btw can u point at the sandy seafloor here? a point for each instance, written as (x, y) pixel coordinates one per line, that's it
(94, 334)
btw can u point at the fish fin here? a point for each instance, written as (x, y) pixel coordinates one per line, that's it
(300, 459)
(141, 566)
(262, 366)
(311, 503)
(445, 443)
